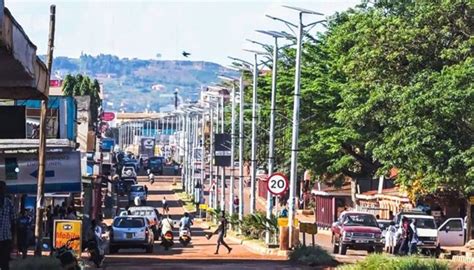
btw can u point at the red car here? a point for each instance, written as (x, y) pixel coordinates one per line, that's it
(358, 231)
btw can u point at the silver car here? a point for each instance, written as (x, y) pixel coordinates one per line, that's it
(131, 232)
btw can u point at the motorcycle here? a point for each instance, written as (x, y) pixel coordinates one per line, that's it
(167, 240)
(95, 254)
(66, 255)
(184, 237)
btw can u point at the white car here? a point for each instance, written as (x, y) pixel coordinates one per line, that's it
(129, 171)
(131, 232)
(431, 238)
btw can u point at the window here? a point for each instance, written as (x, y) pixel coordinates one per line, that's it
(424, 223)
(359, 220)
(454, 225)
(129, 222)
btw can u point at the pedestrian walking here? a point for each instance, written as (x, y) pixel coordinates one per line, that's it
(7, 227)
(165, 206)
(236, 204)
(221, 232)
(23, 232)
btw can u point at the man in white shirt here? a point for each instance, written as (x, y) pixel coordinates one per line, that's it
(166, 225)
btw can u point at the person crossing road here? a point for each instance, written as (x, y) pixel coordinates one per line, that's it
(221, 232)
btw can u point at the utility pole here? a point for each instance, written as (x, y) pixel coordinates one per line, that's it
(232, 152)
(241, 147)
(253, 177)
(271, 146)
(211, 156)
(222, 167)
(42, 140)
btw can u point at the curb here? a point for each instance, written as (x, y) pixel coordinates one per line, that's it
(259, 249)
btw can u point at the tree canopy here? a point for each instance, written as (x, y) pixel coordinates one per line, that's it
(388, 85)
(80, 85)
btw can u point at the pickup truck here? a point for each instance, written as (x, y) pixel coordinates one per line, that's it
(358, 231)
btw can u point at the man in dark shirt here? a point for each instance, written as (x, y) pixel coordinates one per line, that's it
(7, 227)
(221, 232)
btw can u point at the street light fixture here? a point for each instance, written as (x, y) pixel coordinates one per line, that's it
(253, 177)
(271, 147)
(232, 146)
(296, 108)
(245, 67)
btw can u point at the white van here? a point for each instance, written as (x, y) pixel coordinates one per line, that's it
(431, 237)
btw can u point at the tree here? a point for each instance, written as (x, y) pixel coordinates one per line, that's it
(388, 85)
(80, 85)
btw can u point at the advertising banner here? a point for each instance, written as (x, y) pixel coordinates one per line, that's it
(65, 230)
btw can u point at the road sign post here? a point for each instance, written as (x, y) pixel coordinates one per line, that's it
(277, 184)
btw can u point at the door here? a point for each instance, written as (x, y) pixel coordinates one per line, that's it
(451, 232)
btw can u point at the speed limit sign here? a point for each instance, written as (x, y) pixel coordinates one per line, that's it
(277, 183)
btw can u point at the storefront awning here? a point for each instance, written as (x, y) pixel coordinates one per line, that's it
(22, 74)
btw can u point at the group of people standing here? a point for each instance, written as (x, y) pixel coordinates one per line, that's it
(405, 239)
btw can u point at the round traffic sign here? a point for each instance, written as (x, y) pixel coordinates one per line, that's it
(277, 183)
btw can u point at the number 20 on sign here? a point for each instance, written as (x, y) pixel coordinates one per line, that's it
(277, 183)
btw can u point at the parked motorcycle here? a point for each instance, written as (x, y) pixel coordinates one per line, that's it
(167, 240)
(184, 237)
(66, 255)
(95, 254)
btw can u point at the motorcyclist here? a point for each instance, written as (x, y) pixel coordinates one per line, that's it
(166, 225)
(151, 176)
(185, 223)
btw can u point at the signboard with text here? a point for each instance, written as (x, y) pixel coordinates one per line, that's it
(65, 230)
(222, 149)
(20, 172)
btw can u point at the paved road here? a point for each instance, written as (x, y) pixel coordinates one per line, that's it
(198, 255)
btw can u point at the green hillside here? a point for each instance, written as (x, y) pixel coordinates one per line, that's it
(136, 84)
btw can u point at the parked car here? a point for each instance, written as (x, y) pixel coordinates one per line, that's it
(153, 217)
(131, 232)
(129, 172)
(356, 230)
(137, 191)
(156, 165)
(125, 185)
(431, 238)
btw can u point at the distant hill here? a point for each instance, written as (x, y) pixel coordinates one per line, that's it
(136, 85)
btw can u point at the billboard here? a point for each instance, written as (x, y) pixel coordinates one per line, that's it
(222, 149)
(147, 146)
(20, 172)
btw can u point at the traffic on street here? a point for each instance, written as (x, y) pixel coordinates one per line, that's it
(236, 135)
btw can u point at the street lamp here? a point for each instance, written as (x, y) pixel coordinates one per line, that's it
(296, 109)
(232, 144)
(245, 66)
(271, 146)
(253, 175)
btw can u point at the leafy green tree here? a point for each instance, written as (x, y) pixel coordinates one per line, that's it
(80, 85)
(388, 85)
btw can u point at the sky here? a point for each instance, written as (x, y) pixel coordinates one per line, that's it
(209, 30)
